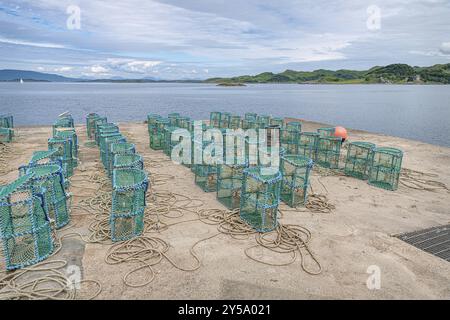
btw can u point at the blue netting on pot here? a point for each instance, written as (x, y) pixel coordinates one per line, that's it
(70, 134)
(128, 161)
(260, 197)
(24, 226)
(328, 152)
(6, 121)
(128, 203)
(214, 119)
(105, 146)
(229, 184)
(385, 168)
(6, 135)
(296, 170)
(105, 129)
(63, 149)
(357, 162)
(90, 122)
(119, 148)
(48, 180)
(307, 144)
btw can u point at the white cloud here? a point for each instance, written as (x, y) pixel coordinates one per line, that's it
(98, 69)
(31, 43)
(445, 48)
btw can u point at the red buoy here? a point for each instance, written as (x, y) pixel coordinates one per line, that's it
(341, 132)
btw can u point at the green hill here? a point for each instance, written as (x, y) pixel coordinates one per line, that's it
(394, 73)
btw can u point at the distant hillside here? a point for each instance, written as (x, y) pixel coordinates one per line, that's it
(394, 73)
(16, 75)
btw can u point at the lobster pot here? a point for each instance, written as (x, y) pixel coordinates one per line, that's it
(235, 122)
(105, 149)
(90, 120)
(272, 133)
(325, 132)
(25, 231)
(229, 184)
(250, 116)
(260, 197)
(307, 144)
(294, 188)
(183, 122)
(168, 143)
(128, 203)
(265, 157)
(225, 120)
(6, 135)
(48, 157)
(263, 121)
(385, 168)
(66, 122)
(249, 124)
(206, 177)
(128, 161)
(97, 123)
(328, 152)
(277, 122)
(251, 152)
(173, 118)
(294, 125)
(70, 134)
(63, 151)
(358, 159)
(6, 121)
(157, 134)
(48, 180)
(118, 148)
(214, 119)
(105, 129)
(152, 119)
(289, 140)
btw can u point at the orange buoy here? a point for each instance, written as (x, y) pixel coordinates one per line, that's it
(341, 132)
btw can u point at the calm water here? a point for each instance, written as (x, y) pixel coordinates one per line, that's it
(415, 112)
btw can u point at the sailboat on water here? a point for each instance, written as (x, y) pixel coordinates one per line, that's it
(21, 80)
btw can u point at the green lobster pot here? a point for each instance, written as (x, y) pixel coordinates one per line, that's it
(128, 203)
(119, 148)
(263, 121)
(168, 143)
(152, 120)
(294, 125)
(359, 155)
(62, 123)
(326, 132)
(70, 134)
(106, 147)
(105, 129)
(251, 116)
(206, 177)
(235, 122)
(49, 157)
(128, 161)
(385, 168)
(63, 147)
(6, 135)
(6, 121)
(229, 184)
(173, 118)
(225, 120)
(183, 122)
(157, 136)
(296, 171)
(277, 122)
(25, 230)
(328, 152)
(307, 145)
(214, 119)
(97, 123)
(90, 121)
(249, 124)
(48, 180)
(260, 197)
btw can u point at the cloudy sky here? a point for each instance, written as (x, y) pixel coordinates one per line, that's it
(197, 39)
